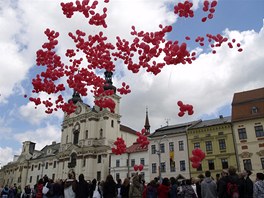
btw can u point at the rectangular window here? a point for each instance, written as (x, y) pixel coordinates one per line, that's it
(98, 176)
(224, 163)
(163, 167)
(196, 145)
(222, 144)
(39, 166)
(262, 162)
(142, 175)
(99, 159)
(200, 168)
(117, 176)
(247, 164)
(86, 134)
(211, 164)
(162, 148)
(153, 149)
(47, 165)
(154, 168)
(37, 178)
(181, 146)
(84, 162)
(242, 134)
(208, 146)
(172, 165)
(118, 163)
(182, 165)
(32, 167)
(259, 131)
(54, 164)
(30, 179)
(132, 162)
(142, 161)
(53, 177)
(171, 146)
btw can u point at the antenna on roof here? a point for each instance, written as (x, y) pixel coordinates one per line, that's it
(167, 121)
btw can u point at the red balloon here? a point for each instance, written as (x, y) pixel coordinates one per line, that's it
(196, 165)
(195, 159)
(140, 167)
(135, 167)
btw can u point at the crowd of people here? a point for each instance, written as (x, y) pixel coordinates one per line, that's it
(228, 184)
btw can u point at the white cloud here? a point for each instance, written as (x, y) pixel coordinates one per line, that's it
(41, 136)
(6, 155)
(208, 84)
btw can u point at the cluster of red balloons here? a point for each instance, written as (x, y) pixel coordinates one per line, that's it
(183, 108)
(209, 7)
(120, 146)
(87, 10)
(125, 89)
(141, 53)
(184, 9)
(142, 139)
(198, 156)
(138, 167)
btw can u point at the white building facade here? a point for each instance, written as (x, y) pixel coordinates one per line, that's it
(168, 152)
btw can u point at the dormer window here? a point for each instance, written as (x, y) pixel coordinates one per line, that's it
(254, 110)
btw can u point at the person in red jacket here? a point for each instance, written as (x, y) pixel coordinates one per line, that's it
(164, 188)
(39, 188)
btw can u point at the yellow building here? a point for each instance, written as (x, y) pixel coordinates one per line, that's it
(248, 121)
(215, 138)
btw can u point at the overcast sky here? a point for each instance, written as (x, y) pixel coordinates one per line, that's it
(208, 84)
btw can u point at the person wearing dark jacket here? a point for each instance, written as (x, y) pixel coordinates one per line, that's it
(110, 187)
(152, 189)
(208, 186)
(246, 185)
(222, 185)
(174, 188)
(82, 190)
(125, 188)
(93, 187)
(233, 179)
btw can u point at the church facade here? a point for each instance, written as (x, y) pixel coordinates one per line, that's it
(87, 137)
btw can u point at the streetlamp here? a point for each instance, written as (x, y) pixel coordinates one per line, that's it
(158, 153)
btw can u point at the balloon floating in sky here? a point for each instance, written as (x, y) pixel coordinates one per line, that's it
(184, 108)
(78, 68)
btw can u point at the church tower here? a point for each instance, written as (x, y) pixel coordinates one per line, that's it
(88, 136)
(147, 126)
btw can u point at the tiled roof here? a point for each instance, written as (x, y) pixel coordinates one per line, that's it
(245, 102)
(136, 147)
(247, 96)
(173, 129)
(212, 122)
(127, 129)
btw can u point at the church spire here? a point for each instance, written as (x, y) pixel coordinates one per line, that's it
(75, 97)
(147, 126)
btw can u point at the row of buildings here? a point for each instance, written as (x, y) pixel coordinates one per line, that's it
(87, 137)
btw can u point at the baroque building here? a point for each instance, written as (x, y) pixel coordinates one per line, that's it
(215, 138)
(87, 137)
(248, 121)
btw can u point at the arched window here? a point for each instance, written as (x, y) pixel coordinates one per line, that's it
(75, 137)
(72, 163)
